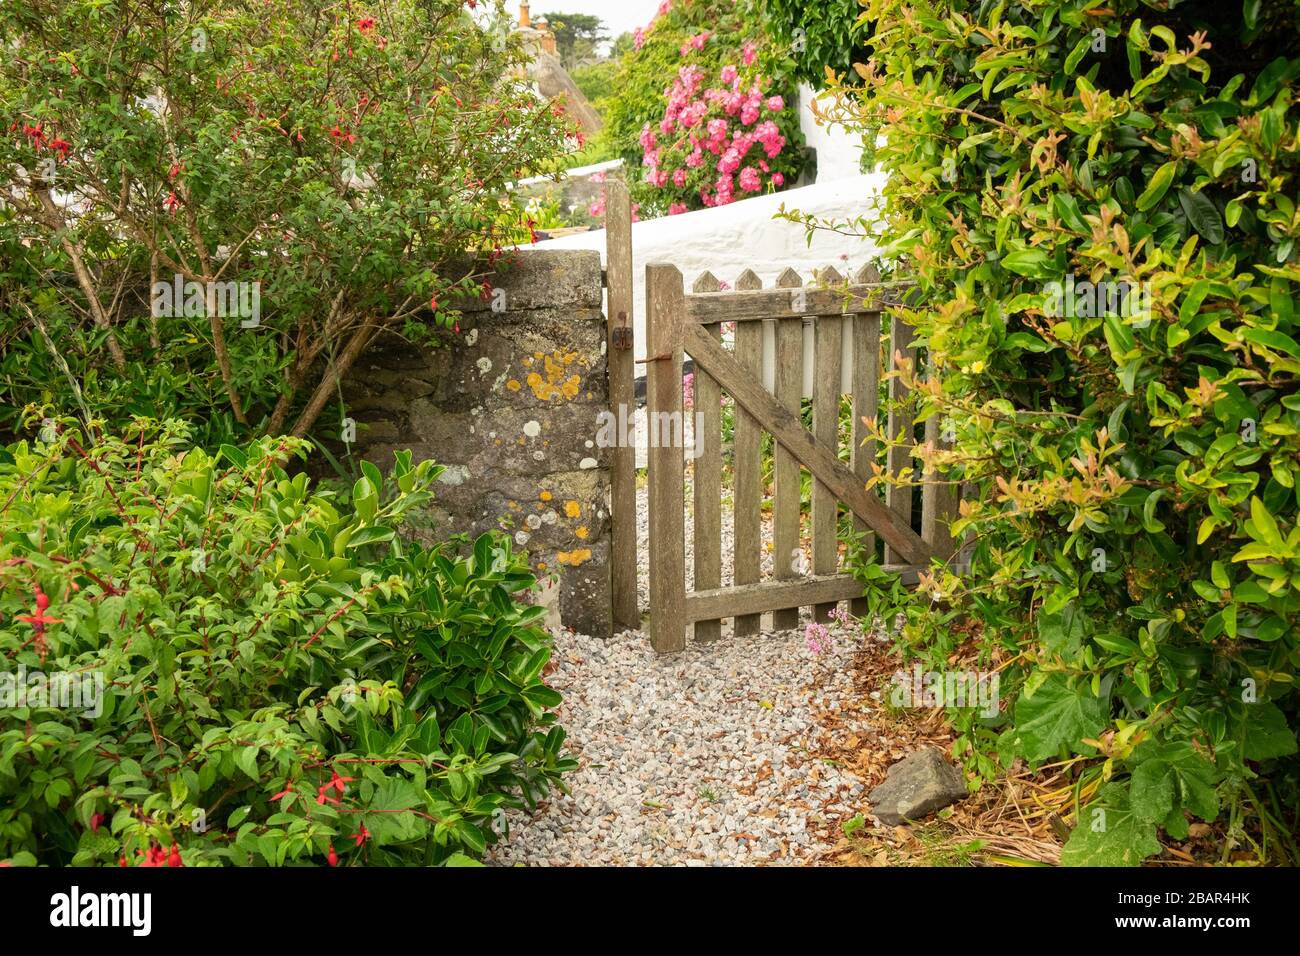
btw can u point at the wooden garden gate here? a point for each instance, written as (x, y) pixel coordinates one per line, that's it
(680, 324)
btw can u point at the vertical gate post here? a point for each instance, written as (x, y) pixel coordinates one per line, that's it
(665, 307)
(621, 355)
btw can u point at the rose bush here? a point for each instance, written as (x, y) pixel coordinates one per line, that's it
(282, 678)
(723, 128)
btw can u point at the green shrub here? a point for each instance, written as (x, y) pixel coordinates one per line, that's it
(1099, 203)
(284, 679)
(311, 171)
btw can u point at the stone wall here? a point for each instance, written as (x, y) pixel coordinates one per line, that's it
(509, 406)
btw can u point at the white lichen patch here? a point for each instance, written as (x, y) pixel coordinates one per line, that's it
(532, 429)
(454, 475)
(587, 463)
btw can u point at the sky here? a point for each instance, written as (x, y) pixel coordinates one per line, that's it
(620, 16)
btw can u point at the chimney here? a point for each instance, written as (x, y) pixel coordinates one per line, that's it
(524, 19)
(548, 38)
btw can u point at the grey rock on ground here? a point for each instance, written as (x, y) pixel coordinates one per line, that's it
(915, 787)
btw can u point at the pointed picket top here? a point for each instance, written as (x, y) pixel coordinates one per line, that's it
(707, 282)
(868, 274)
(748, 282)
(830, 276)
(789, 279)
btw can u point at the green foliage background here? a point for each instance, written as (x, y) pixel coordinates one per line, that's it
(1132, 500)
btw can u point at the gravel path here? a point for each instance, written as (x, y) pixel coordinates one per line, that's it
(701, 758)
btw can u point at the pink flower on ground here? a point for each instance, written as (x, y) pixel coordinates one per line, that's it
(817, 638)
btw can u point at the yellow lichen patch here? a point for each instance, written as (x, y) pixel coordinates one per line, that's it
(541, 565)
(512, 505)
(582, 532)
(528, 361)
(545, 496)
(513, 385)
(556, 380)
(572, 509)
(575, 557)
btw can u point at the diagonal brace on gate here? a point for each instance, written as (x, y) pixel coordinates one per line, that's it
(787, 429)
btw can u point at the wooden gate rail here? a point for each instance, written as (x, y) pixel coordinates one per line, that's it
(678, 324)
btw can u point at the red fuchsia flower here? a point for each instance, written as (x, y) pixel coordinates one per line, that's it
(61, 146)
(323, 797)
(39, 621)
(366, 24)
(288, 789)
(363, 835)
(171, 202)
(174, 171)
(95, 821)
(339, 783)
(455, 327)
(333, 857)
(174, 858)
(121, 860)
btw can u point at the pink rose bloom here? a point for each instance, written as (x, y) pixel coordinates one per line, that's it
(717, 128)
(636, 208)
(749, 180)
(749, 116)
(733, 103)
(638, 38)
(729, 162)
(679, 178)
(778, 179)
(597, 208)
(667, 124)
(751, 53)
(729, 74)
(677, 209)
(775, 103)
(648, 140)
(695, 160)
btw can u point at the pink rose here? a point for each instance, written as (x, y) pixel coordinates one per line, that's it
(749, 180)
(775, 103)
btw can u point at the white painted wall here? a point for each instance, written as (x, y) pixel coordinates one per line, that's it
(744, 235)
(839, 153)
